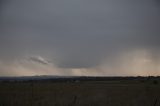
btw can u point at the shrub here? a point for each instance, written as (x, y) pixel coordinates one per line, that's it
(155, 82)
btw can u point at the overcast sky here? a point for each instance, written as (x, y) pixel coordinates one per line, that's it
(79, 37)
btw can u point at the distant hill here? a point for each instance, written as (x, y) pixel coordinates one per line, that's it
(74, 78)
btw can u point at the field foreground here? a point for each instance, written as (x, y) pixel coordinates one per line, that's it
(80, 93)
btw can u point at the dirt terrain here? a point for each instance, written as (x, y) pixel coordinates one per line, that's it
(86, 93)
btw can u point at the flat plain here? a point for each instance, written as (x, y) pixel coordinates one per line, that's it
(80, 93)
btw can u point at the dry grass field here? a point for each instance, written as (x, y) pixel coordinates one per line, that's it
(86, 93)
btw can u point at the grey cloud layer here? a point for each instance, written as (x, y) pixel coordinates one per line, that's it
(78, 33)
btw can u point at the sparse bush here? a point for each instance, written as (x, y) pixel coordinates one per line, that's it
(155, 82)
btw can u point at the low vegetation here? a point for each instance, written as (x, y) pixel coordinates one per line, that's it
(132, 92)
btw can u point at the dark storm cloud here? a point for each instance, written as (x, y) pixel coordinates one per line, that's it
(78, 33)
(2, 2)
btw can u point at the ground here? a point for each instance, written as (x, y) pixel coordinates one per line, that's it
(80, 93)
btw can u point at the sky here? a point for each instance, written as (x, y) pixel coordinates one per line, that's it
(80, 37)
